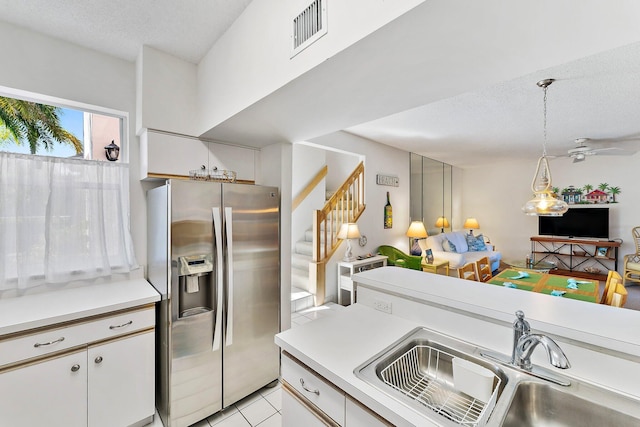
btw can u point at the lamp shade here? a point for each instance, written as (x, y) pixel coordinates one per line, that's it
(471, 223)
(349, 231)
(442, 222)
(417, 230)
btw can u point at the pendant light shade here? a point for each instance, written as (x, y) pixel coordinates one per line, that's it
(544, 202)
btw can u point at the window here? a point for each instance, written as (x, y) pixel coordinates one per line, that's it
(30, 127)
(64, 209)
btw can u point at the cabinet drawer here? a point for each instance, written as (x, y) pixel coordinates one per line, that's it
(318, 391)
(57, 338)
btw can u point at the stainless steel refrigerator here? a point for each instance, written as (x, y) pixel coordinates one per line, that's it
(213, 254)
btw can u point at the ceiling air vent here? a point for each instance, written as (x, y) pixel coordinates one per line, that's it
(309, 26)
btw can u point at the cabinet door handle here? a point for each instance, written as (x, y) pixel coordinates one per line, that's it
(316, 392)
(98, 359)
(121, 326)
(75, 368)
(41, 344)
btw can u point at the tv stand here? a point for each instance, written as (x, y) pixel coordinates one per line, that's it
(575, 257)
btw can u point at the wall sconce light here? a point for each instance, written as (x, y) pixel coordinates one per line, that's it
(347, 232)
(471, 224)
(112, 151)
(443, 223)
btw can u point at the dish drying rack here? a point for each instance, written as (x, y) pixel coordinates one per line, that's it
(214, 174)
(432, 391)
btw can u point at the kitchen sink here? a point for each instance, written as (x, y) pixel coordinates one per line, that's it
(541, 404)
(418, 371)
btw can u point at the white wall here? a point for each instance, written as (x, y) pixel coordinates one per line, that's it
(252, 59)
(166, 92)
(307, 161)
(378, 159)
(340, 165)
(47, 66)
(495, 195)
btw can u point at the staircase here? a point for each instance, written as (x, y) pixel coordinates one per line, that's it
(302, 292)
(310, 255)
(302, 289)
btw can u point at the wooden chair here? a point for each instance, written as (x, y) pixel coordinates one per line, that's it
(619, 298)
(468, 271)
(632, 261)
(483, 269)
(610, 286)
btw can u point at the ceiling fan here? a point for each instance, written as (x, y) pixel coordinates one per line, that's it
(582, 150)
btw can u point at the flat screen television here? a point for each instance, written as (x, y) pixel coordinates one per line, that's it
(577, 222)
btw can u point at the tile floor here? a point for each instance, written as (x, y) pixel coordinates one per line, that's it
(262, 408)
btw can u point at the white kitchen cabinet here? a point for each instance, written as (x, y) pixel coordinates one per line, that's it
(314, 390)
(308, 399)
(121, 380)
(95, 371)
(296, 412)
(167, 155)
(357, 415)
(45, 392)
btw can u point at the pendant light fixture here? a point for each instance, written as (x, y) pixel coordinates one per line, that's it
(544, 202)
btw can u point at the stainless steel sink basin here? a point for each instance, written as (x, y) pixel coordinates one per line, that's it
(418, 371)
(521, 398)
(541, 404)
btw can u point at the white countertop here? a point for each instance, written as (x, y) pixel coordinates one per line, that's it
(598, 325)
(334, 346)
(42, 309)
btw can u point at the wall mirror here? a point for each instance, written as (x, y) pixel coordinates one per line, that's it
(431, 193)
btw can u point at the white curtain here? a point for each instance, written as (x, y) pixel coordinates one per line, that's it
(62, 220)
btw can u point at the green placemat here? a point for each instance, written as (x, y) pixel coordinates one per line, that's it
(509, 275)
(571, 295)
(498, 282)
(561, 283)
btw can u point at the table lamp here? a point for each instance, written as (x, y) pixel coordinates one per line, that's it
(347, 232)
(471, 224)
(417, 231)
(442, 223)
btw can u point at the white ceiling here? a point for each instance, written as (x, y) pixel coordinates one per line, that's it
(479, 118)
(186, 28)
(597, 97)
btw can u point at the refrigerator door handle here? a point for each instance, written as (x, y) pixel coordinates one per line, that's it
(228, 213)
(217, 228)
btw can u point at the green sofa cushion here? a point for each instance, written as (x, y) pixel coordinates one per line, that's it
(398, 258)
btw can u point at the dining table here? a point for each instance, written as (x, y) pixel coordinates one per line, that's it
(548, 283)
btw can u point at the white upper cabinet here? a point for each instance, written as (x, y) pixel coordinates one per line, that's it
(165, 155)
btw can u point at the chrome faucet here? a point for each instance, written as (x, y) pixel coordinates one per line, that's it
(520, 327)
(524, 343)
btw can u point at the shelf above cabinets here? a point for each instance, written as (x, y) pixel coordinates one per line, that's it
(166, 155)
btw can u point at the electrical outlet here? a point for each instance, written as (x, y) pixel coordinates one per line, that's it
(384, 306)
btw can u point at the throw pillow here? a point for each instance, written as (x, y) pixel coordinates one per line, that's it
(476, 243)
(448, 246)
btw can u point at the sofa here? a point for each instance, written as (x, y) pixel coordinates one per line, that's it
(454, 246)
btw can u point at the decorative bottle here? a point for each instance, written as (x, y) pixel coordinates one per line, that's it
(388, 214)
